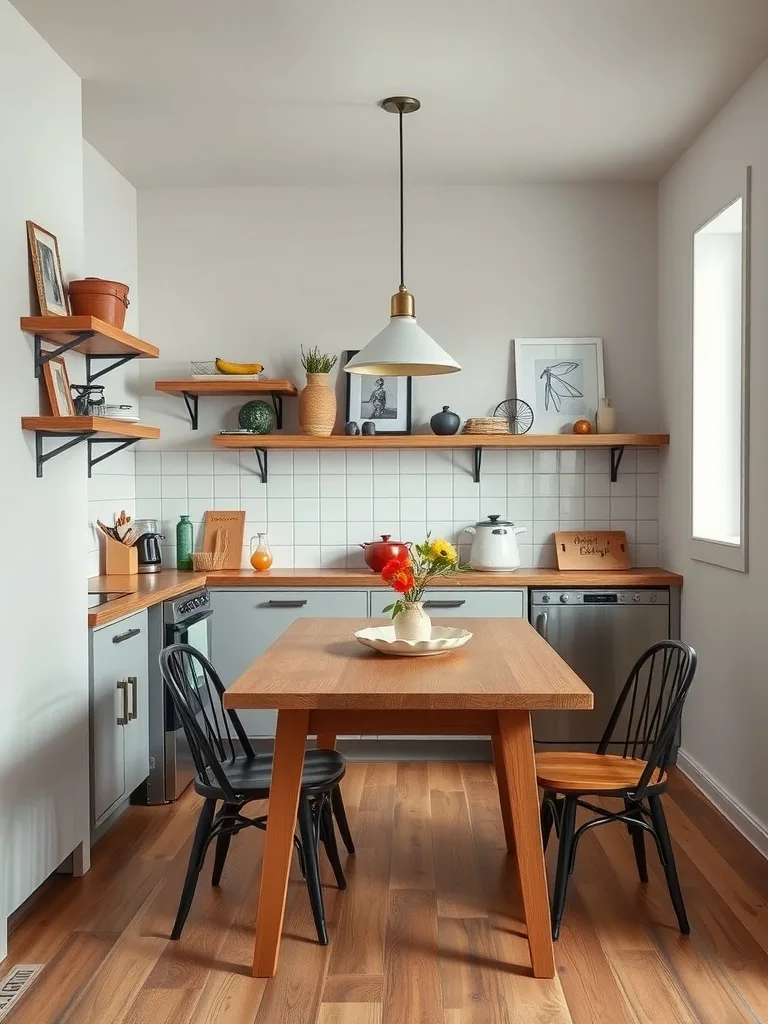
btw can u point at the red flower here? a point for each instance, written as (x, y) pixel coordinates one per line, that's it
(402, 580)
(394, 565)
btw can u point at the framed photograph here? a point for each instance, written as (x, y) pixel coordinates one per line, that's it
(561, 379)
(386, 401)
(57, 386)
(46, 262)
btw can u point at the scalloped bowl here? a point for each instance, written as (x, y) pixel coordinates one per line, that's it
(443, 640)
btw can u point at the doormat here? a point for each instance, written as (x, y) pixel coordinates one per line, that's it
(14, 984)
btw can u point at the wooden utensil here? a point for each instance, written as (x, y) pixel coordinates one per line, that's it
(233, 525)
(592, 549)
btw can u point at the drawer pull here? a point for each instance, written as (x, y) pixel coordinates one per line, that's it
(444, 604)
(120, 637)
(122, 684)
(134, 685)
(286, 604)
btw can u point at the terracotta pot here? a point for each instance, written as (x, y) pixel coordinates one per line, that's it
(379, 552)
(412, 623)
(317, 406)
(107, 300)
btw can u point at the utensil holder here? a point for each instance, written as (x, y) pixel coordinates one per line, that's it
(120, 560)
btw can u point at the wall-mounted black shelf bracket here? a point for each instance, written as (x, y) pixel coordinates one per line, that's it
(90, 377)
(262, 458)
(616, 457)
(42, 457)
(118, 447)
(277, 402)
(191, 401)
(43, 356)
(477, 462)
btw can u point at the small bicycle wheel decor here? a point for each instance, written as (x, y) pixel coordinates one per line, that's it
(518, 412)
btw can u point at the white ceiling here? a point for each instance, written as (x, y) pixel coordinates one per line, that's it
(240, 92)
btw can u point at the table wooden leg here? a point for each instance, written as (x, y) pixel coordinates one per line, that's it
(326, 741)
(517, 746)
(290, 739)
(501, 782)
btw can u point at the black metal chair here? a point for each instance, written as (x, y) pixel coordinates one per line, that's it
(228, 770)
(645, 718)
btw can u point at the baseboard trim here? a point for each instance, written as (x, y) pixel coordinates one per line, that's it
(749, 826)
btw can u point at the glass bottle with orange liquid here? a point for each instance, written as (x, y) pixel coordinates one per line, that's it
(261, 556)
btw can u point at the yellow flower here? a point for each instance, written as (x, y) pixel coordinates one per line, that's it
(442, 549)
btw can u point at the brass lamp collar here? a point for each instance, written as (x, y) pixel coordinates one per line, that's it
(402, 303)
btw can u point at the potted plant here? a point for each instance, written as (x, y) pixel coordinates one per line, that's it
(410, 576)
(317, 401)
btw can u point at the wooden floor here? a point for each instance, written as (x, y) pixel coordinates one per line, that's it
(427, 933)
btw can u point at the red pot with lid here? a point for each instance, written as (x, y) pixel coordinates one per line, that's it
(379, 552)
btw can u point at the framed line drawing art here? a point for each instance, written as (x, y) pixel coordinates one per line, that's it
(561, 379)
(386, 401)
(46, 263)
(57, 387)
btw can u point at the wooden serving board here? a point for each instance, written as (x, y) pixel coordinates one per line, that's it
(233, 524)
(592, 549)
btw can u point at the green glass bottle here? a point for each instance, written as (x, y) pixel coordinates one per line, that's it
(184, 540)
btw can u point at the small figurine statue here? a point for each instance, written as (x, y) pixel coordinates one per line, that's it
(369, 427)
(351, 428)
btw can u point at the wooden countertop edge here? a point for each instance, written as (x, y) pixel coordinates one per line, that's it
(148, 590)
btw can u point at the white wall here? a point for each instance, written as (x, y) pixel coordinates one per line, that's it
(43, 639)
(253, 273)
(724, 612)
(110, 244)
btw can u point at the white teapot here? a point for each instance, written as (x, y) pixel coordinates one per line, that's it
(494, 548)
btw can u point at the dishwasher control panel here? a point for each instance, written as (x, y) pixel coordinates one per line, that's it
(599, 597)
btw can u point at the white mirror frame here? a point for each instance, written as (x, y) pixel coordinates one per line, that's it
(731, 556)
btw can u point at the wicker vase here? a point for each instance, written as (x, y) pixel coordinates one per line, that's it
(317, 406)
(412, 623)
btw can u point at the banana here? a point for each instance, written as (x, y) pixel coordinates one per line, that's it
(237, 368)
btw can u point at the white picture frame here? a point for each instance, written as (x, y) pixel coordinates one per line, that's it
(561, 379)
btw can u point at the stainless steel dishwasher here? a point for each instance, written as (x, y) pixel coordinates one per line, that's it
(600, 634)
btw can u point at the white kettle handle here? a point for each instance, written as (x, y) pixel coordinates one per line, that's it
(469, 529)
(521, 529)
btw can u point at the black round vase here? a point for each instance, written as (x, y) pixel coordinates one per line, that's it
(445, 422)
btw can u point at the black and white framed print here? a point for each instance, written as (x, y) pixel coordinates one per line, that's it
(385, 401)
(561, 379)
(46, 264)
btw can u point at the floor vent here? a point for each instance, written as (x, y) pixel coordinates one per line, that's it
(14, 984)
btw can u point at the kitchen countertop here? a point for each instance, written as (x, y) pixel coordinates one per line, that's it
(146, 590)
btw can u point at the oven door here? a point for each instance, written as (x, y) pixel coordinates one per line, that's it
(179, 766)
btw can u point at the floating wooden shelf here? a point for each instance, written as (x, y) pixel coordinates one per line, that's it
(93, 429)
(227, 384)
(95, 338)
(616, 443)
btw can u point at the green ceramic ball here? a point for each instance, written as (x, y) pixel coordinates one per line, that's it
(258, 417)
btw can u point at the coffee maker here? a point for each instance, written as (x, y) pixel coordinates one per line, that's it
(148, 545)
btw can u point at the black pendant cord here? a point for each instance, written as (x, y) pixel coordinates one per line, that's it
(402, 216)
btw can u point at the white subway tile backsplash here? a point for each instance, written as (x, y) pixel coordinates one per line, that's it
(318, 505)
(306, 462)
(647, 460)
(413, 461)
(200, 463)
(282, 556)
(385, 462)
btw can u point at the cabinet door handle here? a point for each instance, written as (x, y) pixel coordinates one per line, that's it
(122, 684)
(120, 637)
(286, 604)
(444, 604)
(541, 624)
(134, 685)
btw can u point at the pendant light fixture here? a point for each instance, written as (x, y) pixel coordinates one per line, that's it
(402, 348)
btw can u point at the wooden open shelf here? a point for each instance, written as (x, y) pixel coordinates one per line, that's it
(227, 384)
(437, 441)
(616, 443)
(102, 338)
(96, 430)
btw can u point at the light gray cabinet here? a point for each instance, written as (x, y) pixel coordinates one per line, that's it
(246, 621)
(463, 602)
(119, 730)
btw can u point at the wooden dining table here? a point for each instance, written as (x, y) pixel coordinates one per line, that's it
(323, 682)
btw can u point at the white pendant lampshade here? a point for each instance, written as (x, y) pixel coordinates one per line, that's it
(402, 348)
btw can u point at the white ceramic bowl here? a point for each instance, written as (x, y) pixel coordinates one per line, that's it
(443, 640)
